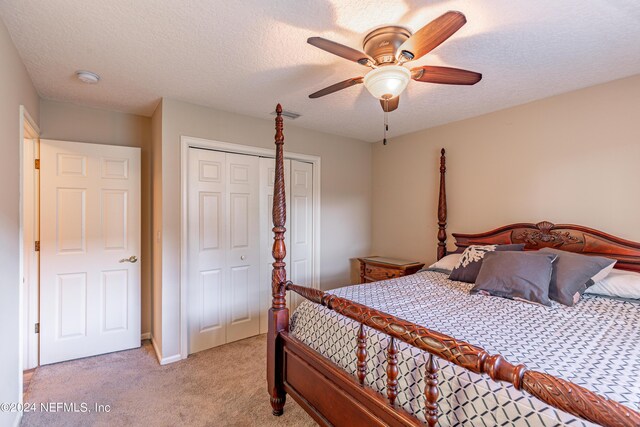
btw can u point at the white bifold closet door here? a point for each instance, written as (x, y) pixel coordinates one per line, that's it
(223, 248)
(230, 237)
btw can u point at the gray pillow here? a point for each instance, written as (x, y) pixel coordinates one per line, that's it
(573, 273)
(516, 275)
(471, 261)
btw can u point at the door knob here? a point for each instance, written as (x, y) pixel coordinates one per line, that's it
(242, 257)
(131, 259)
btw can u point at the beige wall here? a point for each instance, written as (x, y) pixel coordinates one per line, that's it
(572, 158)
(69, 122)
(345, 194)
(156, 220)
(15, 89)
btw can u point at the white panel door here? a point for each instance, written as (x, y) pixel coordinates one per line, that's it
(207, 213)
(301, 231)
(267, 177)
(223, 248)
(243, 253)
(89, 242)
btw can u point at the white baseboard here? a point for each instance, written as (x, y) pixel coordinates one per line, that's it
(171, 359)
(18, 420)
(145, 336)
(164, 360)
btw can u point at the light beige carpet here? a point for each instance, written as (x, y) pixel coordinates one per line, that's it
(224, 386)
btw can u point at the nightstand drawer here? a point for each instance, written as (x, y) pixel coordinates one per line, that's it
(379, 273)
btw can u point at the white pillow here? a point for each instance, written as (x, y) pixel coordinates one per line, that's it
(618, 283)
(447, 263)
(602, 274)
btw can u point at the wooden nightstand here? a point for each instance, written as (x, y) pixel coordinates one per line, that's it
(375, 268)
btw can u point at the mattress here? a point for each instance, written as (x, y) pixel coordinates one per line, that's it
(595, 344)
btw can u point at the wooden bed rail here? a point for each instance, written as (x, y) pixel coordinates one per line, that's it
(554, 391)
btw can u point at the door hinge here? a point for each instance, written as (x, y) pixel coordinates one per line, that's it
(37, 245)
(37, 328)
(37, 164)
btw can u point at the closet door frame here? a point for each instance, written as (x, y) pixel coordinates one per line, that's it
(187, 142)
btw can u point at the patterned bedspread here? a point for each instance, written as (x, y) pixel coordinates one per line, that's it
(595, 344)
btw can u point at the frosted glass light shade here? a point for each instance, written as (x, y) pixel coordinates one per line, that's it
(388, 81)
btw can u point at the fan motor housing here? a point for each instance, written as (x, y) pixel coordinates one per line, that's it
(382, 43)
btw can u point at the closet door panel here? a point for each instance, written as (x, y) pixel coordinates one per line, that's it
(301, 232)
(243, 251)
(207, 273)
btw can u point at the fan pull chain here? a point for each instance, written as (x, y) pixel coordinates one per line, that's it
(386, 121)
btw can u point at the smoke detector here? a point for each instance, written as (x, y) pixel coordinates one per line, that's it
(87, 77)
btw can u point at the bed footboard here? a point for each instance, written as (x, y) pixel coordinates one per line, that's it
(330, 395)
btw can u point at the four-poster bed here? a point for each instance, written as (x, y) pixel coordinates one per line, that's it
(333, 396)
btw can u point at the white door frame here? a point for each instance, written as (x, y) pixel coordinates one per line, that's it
(28, 129)
(187, 142)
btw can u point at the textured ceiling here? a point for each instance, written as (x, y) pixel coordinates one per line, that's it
(244, 56)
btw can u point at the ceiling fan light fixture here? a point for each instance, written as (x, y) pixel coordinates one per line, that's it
(388, 81)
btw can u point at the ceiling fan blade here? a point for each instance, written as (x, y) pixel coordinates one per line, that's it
(341, 50)
(431, 36)
(390, 104)
(336, 87)
(445, 75)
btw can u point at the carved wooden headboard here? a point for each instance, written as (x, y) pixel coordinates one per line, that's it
(567, 237)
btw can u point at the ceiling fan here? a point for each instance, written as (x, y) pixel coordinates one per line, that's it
(387, 49)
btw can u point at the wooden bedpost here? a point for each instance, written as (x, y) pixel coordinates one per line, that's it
(278, 313)
(442, 209)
